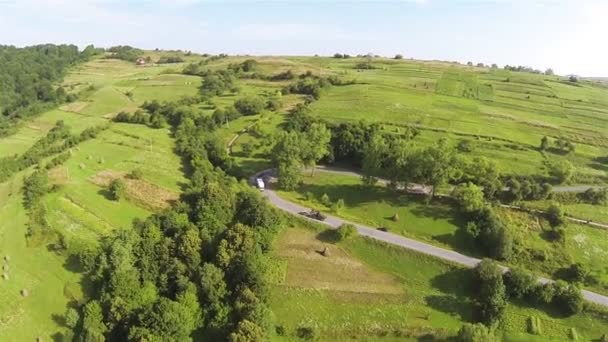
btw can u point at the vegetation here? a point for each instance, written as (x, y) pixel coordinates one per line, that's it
(27, 76)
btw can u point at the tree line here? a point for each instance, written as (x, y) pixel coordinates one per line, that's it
(196, 269)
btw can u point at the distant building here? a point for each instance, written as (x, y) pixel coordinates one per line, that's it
(140, 61)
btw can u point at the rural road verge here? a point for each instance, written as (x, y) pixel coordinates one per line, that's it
(398, 240)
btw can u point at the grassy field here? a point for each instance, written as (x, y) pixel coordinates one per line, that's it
(79, 208)
(504, 113)
(369, 291)
(440, 224)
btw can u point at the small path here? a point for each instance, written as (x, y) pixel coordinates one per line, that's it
(236, 136)
(398, 240)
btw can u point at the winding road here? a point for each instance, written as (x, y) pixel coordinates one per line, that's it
(398, 240)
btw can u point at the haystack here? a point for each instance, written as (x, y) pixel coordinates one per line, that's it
(25, 292)
(7, 258)
(395, 217)
(5, 276)
(325, 252)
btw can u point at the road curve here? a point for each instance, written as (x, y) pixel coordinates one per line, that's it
(399, 240)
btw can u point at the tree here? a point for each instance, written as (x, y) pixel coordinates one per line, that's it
(287, 157)
(373, 156)
(549, 72)
(491, 292)
(555, 215)
(71, 317)
(398, 56)
(561, 170)
(117, 189)
(93, 327)
(544, 143)
(469, 197)
(316, 146)
(249, 105)
(475, 333)
(435, 165)
(247, 331)
(213, 295)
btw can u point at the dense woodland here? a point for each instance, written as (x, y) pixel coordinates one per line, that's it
(27, 76)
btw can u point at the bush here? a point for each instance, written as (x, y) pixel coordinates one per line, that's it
(475, 333)
(325, 200)
(555, 216)
(336, 207)
(519, 283)
(306, 332)
(136, 174)
(309, 196)
(466, 146)
(117, 189)
(249, 105)
(398, 56)
(71, 317)
(346, 231)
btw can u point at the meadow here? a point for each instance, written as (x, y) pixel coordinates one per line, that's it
(369, 291)
(364, 289)
(78, 208)
(440, 223)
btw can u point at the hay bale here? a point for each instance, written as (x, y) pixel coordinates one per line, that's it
(81, 166)
(395, 217)
(24, 292)
(39, 339)
(7, 258)
(325, 252)
(5, 267)
(5, 276)
(89, 157)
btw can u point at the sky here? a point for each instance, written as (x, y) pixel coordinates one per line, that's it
(569, 36)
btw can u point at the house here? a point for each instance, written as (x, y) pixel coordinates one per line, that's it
(140, 61)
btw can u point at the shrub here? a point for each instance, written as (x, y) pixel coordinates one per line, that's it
(325, 200)
(117, 189)
(309, 196)
(555, 216)
(136, 174)
(306, 332)
(345, 231)
(475, 333)
(336, 207)
(519, 283)
(398, 56)
(71, 317)
(249, 105)
(466, 146)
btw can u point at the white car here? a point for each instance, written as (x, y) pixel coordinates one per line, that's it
(260, 183)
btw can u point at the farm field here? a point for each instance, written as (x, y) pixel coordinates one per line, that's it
(368, 291)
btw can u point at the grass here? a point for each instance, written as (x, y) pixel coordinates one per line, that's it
(440, 224)
(78, 208)
(370, 291)
(375, 206)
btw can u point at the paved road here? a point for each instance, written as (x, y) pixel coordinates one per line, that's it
(399, 240)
